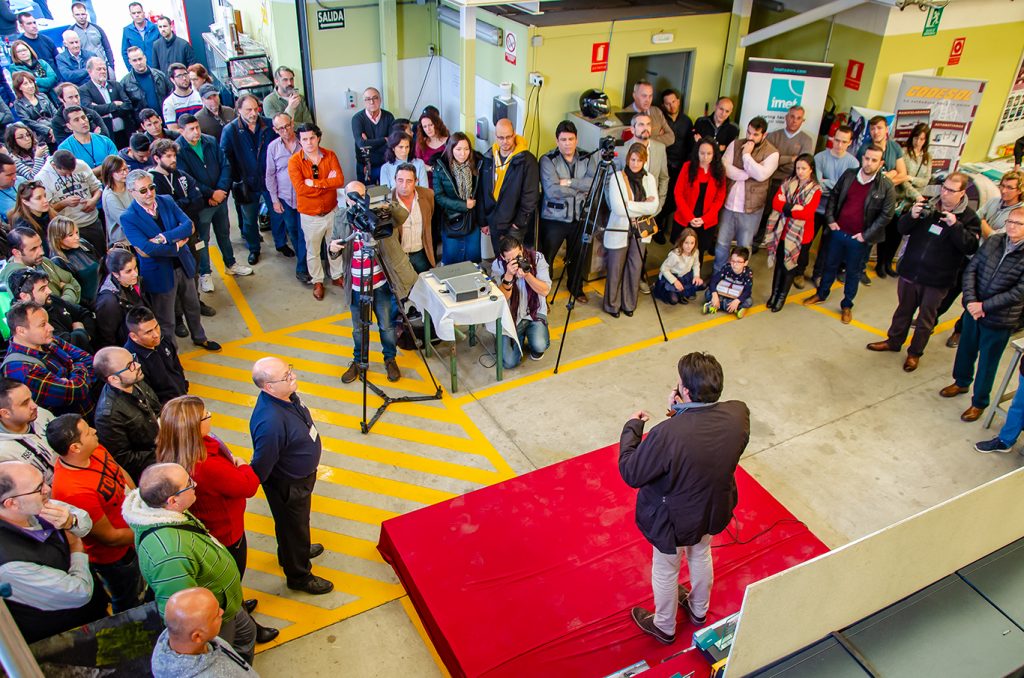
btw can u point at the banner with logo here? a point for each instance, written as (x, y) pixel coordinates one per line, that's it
(947, 106)
(1011, 122)
(775, 85)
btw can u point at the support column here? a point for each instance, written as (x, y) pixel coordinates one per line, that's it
(467, 70)
(390, 92)
(732, 70)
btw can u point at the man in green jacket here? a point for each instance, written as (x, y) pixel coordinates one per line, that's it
(176, 552)
(27, 252)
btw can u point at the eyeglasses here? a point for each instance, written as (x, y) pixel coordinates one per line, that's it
(281, 128)
(1014, 222)
(207, 416)
(947, 189)
(371, 98)
(191, 486)
(183, 74)
(132, 365)
(146, 189)
(26, 494)
(288, 376)
(316, 171)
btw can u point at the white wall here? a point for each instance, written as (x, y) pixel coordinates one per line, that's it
(449, 84)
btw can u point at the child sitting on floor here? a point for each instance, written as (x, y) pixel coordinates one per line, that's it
(731, 285)
(679, 278)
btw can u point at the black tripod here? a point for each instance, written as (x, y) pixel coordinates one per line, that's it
(580, 247)
(368, 255)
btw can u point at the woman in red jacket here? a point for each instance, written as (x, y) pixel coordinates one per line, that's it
(222, 481)
(791, 226)
(700, 194)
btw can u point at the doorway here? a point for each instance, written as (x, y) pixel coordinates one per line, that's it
(664, 70)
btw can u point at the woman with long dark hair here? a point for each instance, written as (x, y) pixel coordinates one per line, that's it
(456, 189)
(120, 292)
(116, 198)
(431, 137)
(399, 148)
(29, 154)
(222, 481)
(699, 195)
(791, 226)
(32, 210)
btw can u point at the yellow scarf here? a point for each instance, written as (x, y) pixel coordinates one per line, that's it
(501, 167)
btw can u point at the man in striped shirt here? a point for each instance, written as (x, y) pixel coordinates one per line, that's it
(385, 305)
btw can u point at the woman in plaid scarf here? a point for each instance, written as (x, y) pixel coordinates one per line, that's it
(791, 226)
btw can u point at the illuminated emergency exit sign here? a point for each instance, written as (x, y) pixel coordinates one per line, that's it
(931, 22)
(330, 18)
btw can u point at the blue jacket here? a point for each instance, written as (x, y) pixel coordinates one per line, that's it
(213, 172)
(72, 68)
(155, 263)
(247, 151)
(130, 38)
(282, 446)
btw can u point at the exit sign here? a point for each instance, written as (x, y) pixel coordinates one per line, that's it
(330, 18)
(931, 22)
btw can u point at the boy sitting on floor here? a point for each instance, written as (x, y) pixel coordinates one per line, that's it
(731, 285)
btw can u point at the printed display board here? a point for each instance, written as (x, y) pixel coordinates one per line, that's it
(1011, 122)
(947, 105)
(775, 85)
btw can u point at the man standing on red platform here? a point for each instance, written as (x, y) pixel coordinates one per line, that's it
(685, 471)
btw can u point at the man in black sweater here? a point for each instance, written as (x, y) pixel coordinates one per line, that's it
(684, 470)
(509, 187)
(286, 452)
(942, 236)
(370, 129)
(157, 354)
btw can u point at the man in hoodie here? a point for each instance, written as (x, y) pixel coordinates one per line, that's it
(23, 428)
(169, 48)
(156, 353)
(509, 187)
(176, 551)
(190, 646)
(941, 237)
(138, 154)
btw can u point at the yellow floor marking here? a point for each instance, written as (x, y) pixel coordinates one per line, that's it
(332, 541)
(339, 508)
(276, 606)
(235, 293)
(853, 323)
(343, 581)
(316, 618)
(417, 623)
(556, 332)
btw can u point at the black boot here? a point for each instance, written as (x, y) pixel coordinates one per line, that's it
(787, 285)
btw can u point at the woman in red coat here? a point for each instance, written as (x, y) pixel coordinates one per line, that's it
(791, 226)
(700, 194)
(222, 481)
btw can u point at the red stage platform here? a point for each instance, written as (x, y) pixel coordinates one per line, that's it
(535, 576)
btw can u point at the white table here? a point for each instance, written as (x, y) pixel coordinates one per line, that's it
(442, 313)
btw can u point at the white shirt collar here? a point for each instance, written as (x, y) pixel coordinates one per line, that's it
(862, 180)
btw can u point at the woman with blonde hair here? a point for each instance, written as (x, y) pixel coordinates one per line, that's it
(222, 481)
(75, 255)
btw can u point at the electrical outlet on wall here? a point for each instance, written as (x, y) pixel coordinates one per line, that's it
(350, 99)
(431, 49)
(536, 79)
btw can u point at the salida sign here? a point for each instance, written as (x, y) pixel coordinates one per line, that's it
(330, 18)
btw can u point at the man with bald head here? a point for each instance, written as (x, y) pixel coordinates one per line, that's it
(509, 186)
(177, 552)
(286, 452)
(189, 646)
(127, 411)
(370, 129)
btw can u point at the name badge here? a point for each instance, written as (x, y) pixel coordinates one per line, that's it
(200, 245)
(935, 229)
(312, 432)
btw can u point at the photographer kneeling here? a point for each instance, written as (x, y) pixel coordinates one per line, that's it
(525, 281)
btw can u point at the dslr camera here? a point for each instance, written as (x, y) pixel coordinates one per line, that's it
(607, 148)
(374, 220)
(524, 264)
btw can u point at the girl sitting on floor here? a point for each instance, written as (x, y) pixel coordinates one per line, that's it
(679, 278)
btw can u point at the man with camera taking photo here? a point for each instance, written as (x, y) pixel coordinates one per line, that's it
(684, 470)
(525, 280)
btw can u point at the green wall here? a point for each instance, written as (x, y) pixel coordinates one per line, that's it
(359, 41)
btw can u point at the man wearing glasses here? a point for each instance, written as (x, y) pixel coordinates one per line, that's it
(282, 193)
(184, 99)
(993, 302)
(176, 551)
(127, 411)
(370, 129)
(286, 452)
(42, 557)
(316, 175)
(158, 230)
(942, 234)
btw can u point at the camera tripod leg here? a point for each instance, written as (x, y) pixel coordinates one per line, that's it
(499, 347)
(654, 300)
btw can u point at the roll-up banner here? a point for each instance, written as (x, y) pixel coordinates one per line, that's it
(773, 86)
(947, 106)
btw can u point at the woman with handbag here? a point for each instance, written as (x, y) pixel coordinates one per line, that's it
(633, 200)
(791, 226)
(456, 189)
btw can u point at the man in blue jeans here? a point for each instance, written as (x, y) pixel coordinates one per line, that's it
(859, 208)
(525, 288)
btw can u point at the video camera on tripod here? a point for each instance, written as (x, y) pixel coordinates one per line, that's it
(371, 214)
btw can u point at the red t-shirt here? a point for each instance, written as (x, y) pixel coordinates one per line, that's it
(99, 491)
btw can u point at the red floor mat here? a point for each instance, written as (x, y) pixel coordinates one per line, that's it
(535, 576)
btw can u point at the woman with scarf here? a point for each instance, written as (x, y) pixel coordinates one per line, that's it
(633, 193)
(525, 280)
(456, 183)
(791, 226)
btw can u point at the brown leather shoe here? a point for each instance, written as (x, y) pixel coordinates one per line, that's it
(972, 413)
(318, 291)
(952, 390)
(351, 374)
(881, 346)
(846, 315)
(394, 374)
(583, 299)
(954, 340)
(338, 282)
(910, 364)
(813, 299)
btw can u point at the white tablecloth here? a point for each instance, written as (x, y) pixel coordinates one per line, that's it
(427, 295)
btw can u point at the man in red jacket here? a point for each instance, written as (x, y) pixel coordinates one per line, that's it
(684, 470)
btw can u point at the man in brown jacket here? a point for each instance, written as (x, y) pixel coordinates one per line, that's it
(413, 209)
(684, 470)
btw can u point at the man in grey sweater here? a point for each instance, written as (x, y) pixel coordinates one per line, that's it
(189, 646)
(791, 142)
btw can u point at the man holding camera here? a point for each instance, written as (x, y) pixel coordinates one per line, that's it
(684, 470)
(941, 237)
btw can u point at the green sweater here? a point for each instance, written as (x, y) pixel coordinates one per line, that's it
(172, 558)
(62, 283)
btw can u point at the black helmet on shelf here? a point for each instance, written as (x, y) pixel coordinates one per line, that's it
(594, 104)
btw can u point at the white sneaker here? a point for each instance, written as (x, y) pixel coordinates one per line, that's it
(239, 269)
(206, 282)
(644, 287)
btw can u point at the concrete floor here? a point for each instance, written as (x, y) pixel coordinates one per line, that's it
(843, 437)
